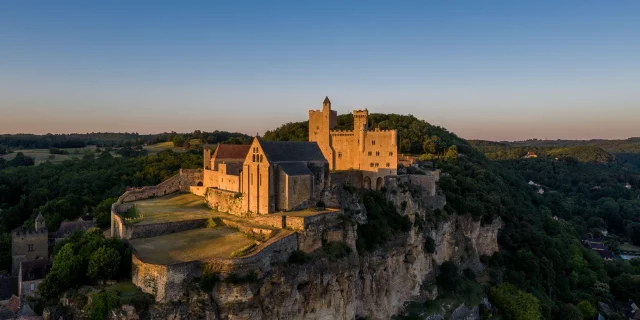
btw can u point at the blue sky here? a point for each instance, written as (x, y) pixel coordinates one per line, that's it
(500, 70)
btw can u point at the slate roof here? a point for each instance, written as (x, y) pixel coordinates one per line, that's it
(597, 246)
(291, 151)
(68, 227)
(8, 286)
(326, 100)
(231, 151)
(295, 168)
(605, 254)
(35, 269)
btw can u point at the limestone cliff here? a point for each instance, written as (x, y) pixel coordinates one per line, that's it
(374, 284)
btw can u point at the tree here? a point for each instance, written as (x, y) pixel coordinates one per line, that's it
(633, 232)
(104, 264)
(569, 312)
(588, 311)
(102, 212)
(452, 153)
(513, 303)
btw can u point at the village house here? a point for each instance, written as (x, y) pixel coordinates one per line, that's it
(531, 154)
(30, 275)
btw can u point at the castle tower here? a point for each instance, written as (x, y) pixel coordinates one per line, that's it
(320, 124)
(207, 158)
(39, 224)
(360, 126)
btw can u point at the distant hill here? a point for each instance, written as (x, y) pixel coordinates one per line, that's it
(509, 151)
(631, 145)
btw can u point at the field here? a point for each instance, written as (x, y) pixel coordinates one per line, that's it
(177, 207)
(43, 155)
(190, 245)
(162, 146)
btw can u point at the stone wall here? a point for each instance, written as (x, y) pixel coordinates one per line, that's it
(165, 282)
(258, 233)
(29, 288)
(352, 178)
(225, 201)
(428, 182)
(171, 282)
(198, 191)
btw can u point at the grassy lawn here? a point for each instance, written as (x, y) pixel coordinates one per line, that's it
(176, 207)
(629, 247)
(158, 147)
(190, 245)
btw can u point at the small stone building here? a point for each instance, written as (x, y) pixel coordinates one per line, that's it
(29, 244)
(222, 170)
(31, 274)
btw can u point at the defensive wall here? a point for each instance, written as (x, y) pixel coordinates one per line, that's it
(181, 182)
(225, 201)
(169, 282)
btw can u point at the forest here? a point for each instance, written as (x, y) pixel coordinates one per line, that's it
(541, 260)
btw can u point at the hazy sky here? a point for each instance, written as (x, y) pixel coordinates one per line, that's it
(501, 70)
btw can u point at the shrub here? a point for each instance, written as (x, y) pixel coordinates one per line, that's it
(298, 257)
(210, 223)
(208, 279)
(103, 264)
(101, 304)
(335, 250)
(243, 251)
(513, 303)
(430, 245)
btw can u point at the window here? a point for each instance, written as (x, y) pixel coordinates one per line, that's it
(260, 158)
(377, 153)
(369, 152)
(388, 165)
(33, 286)
(371, 164)
(390, 154)
(339, 155)
(373, 142)
(254, 158)
(377, 165)
(252, 179)
(30, 248)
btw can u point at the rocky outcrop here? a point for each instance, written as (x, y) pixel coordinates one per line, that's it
(374, 285)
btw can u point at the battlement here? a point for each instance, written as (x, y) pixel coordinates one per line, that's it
(377, 130)
(363, 111)
(27, 233)
(341, 133)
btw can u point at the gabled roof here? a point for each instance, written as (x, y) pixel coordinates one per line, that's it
(68, 227)
(13, 304)
(35, 269)
(39, 218)
(295, 168)
(231, 151)
(291, 151)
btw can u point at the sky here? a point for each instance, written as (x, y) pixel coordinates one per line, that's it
(496, 70)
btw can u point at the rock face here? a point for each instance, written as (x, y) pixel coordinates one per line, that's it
(374, 285)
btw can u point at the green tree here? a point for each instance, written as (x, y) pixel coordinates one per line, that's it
(587, 309)
(515, 304)
(569, 312)
(102, 212)
(633, 232)
(104, 264)
(452, 153)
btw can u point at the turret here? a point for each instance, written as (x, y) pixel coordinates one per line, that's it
(326, 104)
(40, 225)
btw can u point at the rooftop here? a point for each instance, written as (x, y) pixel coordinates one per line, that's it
(197, 244)
(291, 151)
(231, 151)
(68, 227)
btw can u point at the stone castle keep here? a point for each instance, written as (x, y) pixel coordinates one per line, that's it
(375, 152)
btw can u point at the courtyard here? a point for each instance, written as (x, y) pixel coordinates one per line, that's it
(191, 245)
(176, 207)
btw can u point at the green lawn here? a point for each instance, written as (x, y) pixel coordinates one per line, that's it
(158, 147)
(43, 155)
(191, 245)
(176, 207)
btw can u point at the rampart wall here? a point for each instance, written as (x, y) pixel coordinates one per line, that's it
(170, 282)
(181, 182)
(351, 177)
(258, 233)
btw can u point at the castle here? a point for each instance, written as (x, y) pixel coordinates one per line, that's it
(283, 176)
(375, 152)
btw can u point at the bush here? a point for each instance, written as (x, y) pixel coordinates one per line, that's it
(430, 245)
(298, 257)
(101, 304)
(211, 224)
(208, 279)
(513, 303)
(243, 251)
(383, 222)
(335, 250)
